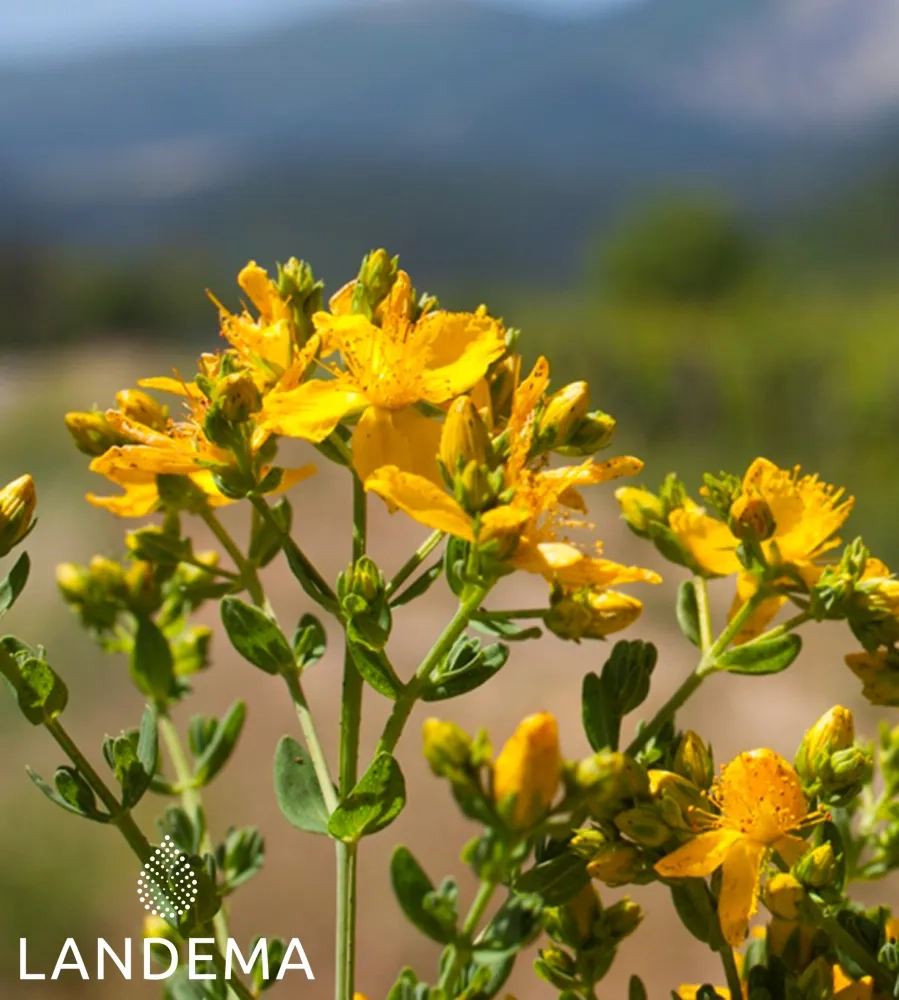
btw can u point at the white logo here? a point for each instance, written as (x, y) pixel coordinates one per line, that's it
(167, 886)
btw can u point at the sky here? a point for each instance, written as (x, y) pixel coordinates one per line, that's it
(49, 29)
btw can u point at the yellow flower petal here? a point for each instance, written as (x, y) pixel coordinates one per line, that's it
(404, 438)
(138, 500)
(763, 615)
(175, 386)
(290, 477)
(698, 857)
(312, 410)
(741, 878)
(708, 541)
(422, 500)
(169, 461)
(529, 767)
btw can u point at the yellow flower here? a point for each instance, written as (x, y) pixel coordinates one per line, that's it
(390, 367)
(18, 501)
(845, 988)
(528, 770)
(806, 514)
(762, 808)
(879, 674)
(542, 504)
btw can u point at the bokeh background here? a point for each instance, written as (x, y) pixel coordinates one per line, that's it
(691, 203)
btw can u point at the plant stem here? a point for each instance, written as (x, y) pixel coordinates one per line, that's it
(313, 744)
(350, 723)
(731, 972)
(707, 665)
(506, 616)
(192, 803)
(462, 947)
(248, 574)
(403, 706)
(849, 946)
(131, 832)
(705, 614)
(414, 561)
(292, 550)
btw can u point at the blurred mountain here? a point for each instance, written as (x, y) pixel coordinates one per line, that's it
(462, 132)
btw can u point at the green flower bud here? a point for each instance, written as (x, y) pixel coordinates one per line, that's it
(610, 781)
(644, 826)
(18, 501)
(556, 967)
(617, 864)
(108, 577)
(816, 868)
(563, 413)
(377, 276)
(640, 509)
(464, 437)
(834, 731)
(784, 896)
(621, 919)
(72, 581)
(92, 433)
(591, 613)
(592, 433)
(694, 760)
(447, 749)
(236, 397)
(141, 408)
(751, 518)
(676, 798)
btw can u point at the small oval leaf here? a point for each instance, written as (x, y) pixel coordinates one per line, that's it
(767, 656)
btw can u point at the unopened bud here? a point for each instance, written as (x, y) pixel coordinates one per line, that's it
(377, 276)
(447, 748)
(593, 432)
(583, 911)
(639, 508)
(694, 760)
(142, 408)
(92, 433)
(676, 798)
(784, 896)
(108, 577)
(621, 919)
(834, 731)
(237, 397)
(528, 770)
(851, 766)
(464, 437)
(591, 613)
(610, 781)
(72, 581)
(18, 501)
(644, 826)
(617, 864)
(816, 868)
(751, 518)
(563, 412)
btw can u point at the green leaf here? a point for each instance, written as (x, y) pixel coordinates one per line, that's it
(407, 987)
(152, 663)
(39, 690)
(373, 804)
(505, 629)
(265, 537)
(627, 673)
(300, 568)
(67, 796)
(766, 656)
(687, 609)
(695, 909)
(468, 669)
(602, 723)
(557, 880)
(148, 742)
(309, 641)
(256, 637)
(487, 973)
(241, 856)
(412, 888)
(376, 670)
(636, 990)
(129, 771)
(14, 583)
(419, 586)
(218, 750)
(297, 790)
(515, 924)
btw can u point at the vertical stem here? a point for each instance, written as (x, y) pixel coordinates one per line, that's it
(462, 947)
(192, 803)
(414, 561)
(731, 972)
(350, 721)
(705, 614)
(247, 570)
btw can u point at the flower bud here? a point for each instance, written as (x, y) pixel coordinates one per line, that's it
(464, 437)
(447, 748)
(593, 432)
(879, 674)
(617, 864)
(675, 797)
(784, 896)
(556, 967)
(108, 577)
(298, 287)
(639, 508)
(851, 766)
(377, 275)
(751, 518)
(621, 919)
(610, 781)
(694, 761)
(72, 581)
(563, 412)
(142, 408)
(816, 868)
(236, 397)
(528, 770)
(92, 433)
(834, 731)
(643, 825)
(584, 911)
(18, 501)
(591, 613)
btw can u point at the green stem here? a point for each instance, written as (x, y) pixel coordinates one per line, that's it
(705, 614)
(461, 949)
(788, 626)
(350, 724)
(313, 744)
(402, 707)
(192, 803)
(248, 574)
(507, 616)
(707, 665)
(124, 821)
(414, 561)
(849, 946)
(289, 545)
(731, 972)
